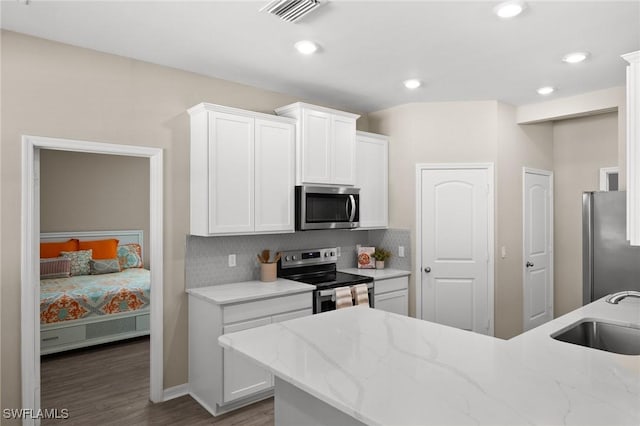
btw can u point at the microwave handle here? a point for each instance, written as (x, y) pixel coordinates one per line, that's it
(352, 200)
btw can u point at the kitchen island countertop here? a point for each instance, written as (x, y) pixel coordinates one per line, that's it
(379, 368)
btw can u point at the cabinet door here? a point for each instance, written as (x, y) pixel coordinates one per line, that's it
(275, 178)
(372, 178)
(343, 132)
(242, 377)
(396, 302)
(316, 147)
(231, 173)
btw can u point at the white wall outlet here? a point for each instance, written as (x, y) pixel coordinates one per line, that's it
(232, 260)
(503, 252)
(400, 251)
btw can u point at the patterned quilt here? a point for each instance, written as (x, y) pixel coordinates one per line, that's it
(66, 299)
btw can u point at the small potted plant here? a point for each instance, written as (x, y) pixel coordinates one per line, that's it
(380, 255)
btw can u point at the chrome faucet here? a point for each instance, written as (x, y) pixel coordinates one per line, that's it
(615, 298)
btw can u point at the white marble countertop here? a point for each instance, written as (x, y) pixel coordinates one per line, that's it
(387, 369)
(377, 274)
(249, 290)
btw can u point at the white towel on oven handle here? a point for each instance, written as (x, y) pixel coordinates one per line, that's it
(343, 297)
(360, 293)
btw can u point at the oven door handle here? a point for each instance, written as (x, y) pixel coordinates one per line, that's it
(352, 200)
(332, 292)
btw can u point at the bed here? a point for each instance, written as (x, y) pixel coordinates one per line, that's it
(85, 310)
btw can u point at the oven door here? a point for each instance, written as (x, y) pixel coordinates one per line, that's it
(325, 300)
(319, 207)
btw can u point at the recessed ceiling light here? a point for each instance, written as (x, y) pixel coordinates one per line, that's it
(575, 57)
(412, 83)
(509, 9)
(306, 47)
(547, 90)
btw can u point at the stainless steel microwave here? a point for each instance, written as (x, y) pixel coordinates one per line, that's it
(327, 207)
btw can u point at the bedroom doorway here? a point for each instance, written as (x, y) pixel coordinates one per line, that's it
(30, 321)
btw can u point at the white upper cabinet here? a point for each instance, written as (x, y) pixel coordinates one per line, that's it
(633, 147)
(242, 172)
(274, 176)
(326, 145)
(372, 177)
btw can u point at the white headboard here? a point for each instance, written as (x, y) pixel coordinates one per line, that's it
(125, 237)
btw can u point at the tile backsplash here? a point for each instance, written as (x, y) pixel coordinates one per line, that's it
(207, 257)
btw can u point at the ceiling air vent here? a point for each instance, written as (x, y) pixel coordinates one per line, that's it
(290, 10)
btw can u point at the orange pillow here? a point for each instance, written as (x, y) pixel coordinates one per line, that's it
(49, 250)
(102, 249)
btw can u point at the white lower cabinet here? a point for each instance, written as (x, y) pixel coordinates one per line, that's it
(219, 379)
(242, 377)
(392, 295)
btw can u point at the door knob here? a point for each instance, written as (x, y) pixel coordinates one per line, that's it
(529, 264)
(427, 269)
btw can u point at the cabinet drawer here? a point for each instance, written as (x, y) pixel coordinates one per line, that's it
(266, 307)
(292, 315)
(391, 284)
(62, 336)
(142, 322)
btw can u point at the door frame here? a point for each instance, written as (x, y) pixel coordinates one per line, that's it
(489, 167)
(30, 254)
(549, 174)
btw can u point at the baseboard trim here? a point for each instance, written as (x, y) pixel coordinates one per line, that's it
(176, 392)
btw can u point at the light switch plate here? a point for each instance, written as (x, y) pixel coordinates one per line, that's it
(400, 251)
(232, 260)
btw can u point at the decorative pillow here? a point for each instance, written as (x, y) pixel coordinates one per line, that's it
(57, 267)
(51, 250)
(102, 249)
(130, 256)
(79, 261)
(104, 266)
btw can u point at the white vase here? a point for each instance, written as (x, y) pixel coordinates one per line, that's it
(379, 264)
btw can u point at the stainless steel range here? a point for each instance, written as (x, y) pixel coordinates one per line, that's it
(318, 267)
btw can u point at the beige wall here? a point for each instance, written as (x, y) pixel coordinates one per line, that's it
(56, 90)
(518, 146)
(459, 132)
(93, 192)
(581, 146)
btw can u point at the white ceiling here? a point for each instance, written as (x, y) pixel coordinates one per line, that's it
(461, 50)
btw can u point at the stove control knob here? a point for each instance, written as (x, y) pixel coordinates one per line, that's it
(286, 258)
(333, 254)
(293, 258)
(326, 254)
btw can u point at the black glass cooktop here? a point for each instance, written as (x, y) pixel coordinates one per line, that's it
(333, 279)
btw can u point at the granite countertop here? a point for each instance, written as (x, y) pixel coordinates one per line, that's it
(249, 290)
(377, 274)
(387, 369)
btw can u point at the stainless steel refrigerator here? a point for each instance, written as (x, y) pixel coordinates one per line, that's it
(609, 263)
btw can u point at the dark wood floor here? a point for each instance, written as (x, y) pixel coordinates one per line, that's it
(109, 385)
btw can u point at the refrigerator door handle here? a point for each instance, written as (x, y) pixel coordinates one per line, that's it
(587, 247)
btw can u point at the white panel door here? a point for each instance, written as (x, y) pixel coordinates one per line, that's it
(242, 377)
(455, 248)
(231, 173)
(316, 147)
(343, 130)
(274, 179)
(372, 173)
(538, 249)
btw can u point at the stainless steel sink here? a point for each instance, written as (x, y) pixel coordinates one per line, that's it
(602, 335)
